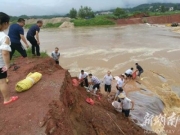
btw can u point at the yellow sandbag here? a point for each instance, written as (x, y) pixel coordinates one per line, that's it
(27, 83)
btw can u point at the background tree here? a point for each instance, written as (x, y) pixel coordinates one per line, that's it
(162, 9)
(176, 7)
(85, 12)
(120, 13)
(73, 13)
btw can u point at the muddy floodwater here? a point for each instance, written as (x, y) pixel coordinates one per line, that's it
(155, 48)
(98, 49)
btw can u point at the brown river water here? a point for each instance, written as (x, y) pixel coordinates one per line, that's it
(155, 48)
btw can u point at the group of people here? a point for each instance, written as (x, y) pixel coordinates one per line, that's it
(120, 95)
(11, 43)
(130, 74)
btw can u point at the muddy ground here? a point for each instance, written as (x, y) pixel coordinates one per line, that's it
(54, 106)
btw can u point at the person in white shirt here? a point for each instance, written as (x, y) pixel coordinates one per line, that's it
(127, 104)
(129, 73)
(96, 83)
(5, 58)
(108, 78)
(83, 78)
(119, 86)
(56, 55)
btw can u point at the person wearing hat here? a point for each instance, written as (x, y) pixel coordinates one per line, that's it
(127, 104)
(83, 78)
(119, 86)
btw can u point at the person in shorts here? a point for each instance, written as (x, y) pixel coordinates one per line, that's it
(126, 104)
(96, 83)
(5, 58)
(108, 78)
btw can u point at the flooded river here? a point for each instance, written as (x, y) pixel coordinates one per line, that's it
(155, 48)
(98, 49)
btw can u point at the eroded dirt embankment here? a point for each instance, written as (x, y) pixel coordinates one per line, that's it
(151, 20)
(55, 107)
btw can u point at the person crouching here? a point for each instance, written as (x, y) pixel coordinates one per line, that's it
(83, 78)
(56, 55)
(129, 73)
(95, 82)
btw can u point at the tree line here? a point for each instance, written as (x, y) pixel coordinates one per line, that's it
(83, 12)
(86, 12)
(155, 7)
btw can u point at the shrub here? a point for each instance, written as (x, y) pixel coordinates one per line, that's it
(97, 21)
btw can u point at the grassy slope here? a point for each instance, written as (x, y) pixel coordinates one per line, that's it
(29, 54)
(97, 21)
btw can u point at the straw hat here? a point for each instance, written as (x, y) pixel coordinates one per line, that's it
(122, 95)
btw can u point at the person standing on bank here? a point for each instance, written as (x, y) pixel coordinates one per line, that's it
(16, 33)
(108, 78)
(35, 42)
(139, 69)
(56, 55)
(119, 86)
(127, 104)
(83, 78)
(5, 58)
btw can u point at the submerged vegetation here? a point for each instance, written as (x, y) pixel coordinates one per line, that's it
(48, 25)
(96, 21)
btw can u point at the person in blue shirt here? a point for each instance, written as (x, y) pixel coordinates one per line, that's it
(31, 34)
(16, 34)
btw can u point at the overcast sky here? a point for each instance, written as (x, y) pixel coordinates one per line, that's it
(50, 7)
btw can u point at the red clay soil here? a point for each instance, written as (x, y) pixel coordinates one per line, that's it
(151, 20)
(163, 19)
(54, 106)
(129, 21)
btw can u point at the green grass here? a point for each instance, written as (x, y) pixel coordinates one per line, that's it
(97, 21)
(52, 25)
(29, 54)
(165, 13)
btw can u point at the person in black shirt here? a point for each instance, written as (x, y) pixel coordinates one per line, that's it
(31, 34)
(139, 68)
